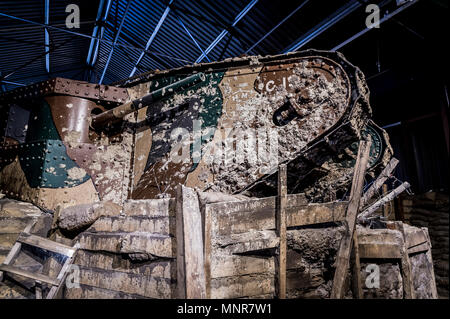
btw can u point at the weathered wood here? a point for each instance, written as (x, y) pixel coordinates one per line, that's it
(133, 284)
(408, 284)
(281, 231)
(413, 239)
(242, 286)
(343, 256)
(380, 251)
(190, 262)
(434, 292)
(164, 207)
(126, 243)
(247, 242)
(372, 208)
(91, 292)
(159, 224)
(159, 268)
(418, 248)
(16, 247)
(54, 291)
(387, 205)
(46, 244)
(208, 229)
(385, 174)
(28, 274)
(263, 217)
(223, 265)
(356, 269)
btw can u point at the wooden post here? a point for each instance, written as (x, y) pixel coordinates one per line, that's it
(281, 231)
(408, 285)
(190, 261)
(343, 255)
(434, 293)
(356, 270)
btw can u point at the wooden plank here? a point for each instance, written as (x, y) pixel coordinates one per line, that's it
(242, 286)
(386, 206)
(126, 243)
(364, 216)
(16, 247)
(247, 242)
(190, 261)
(46, 244)
(54, 291)
(316, 214)
(418, 248)
(343, 256)
(408, 284)
(263, 218)
(223, 265)
(356, 285)
(28, 274)
(281, 231)
(207, 249)
(385, 174)
(434, 292)
(416, 238)
(379, 251)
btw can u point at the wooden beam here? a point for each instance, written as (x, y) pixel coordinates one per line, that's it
(16, 247)
(260, 214)
(380, 251)
(363, 217)
(55, 290)
(46, 244)
(191, 282)
(281, 231)
(28, 274)
(343, 256)
(385, 174)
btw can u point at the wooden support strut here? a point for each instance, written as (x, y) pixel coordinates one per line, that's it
(408, 284)
(387, 171)
(191, 280)
(281, 231)
(343, 256)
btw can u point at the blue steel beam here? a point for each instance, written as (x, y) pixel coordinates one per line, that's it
(91, 37)
(321, 27)
(276, 27)
(116, 38)
(152, 37)
(225, 32)
(97, 32)
(12, 83)
(191, 36)
(385, 18)
(47, 36)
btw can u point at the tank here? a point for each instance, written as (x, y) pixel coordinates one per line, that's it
(222, 126)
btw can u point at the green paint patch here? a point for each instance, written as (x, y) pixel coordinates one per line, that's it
(46, 164)
(41, 125)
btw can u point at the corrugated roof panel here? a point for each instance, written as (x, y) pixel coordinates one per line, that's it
(22, 43)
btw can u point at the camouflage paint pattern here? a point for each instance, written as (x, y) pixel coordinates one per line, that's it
(227, 133)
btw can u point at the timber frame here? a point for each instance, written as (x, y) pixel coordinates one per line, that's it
(234, 232)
